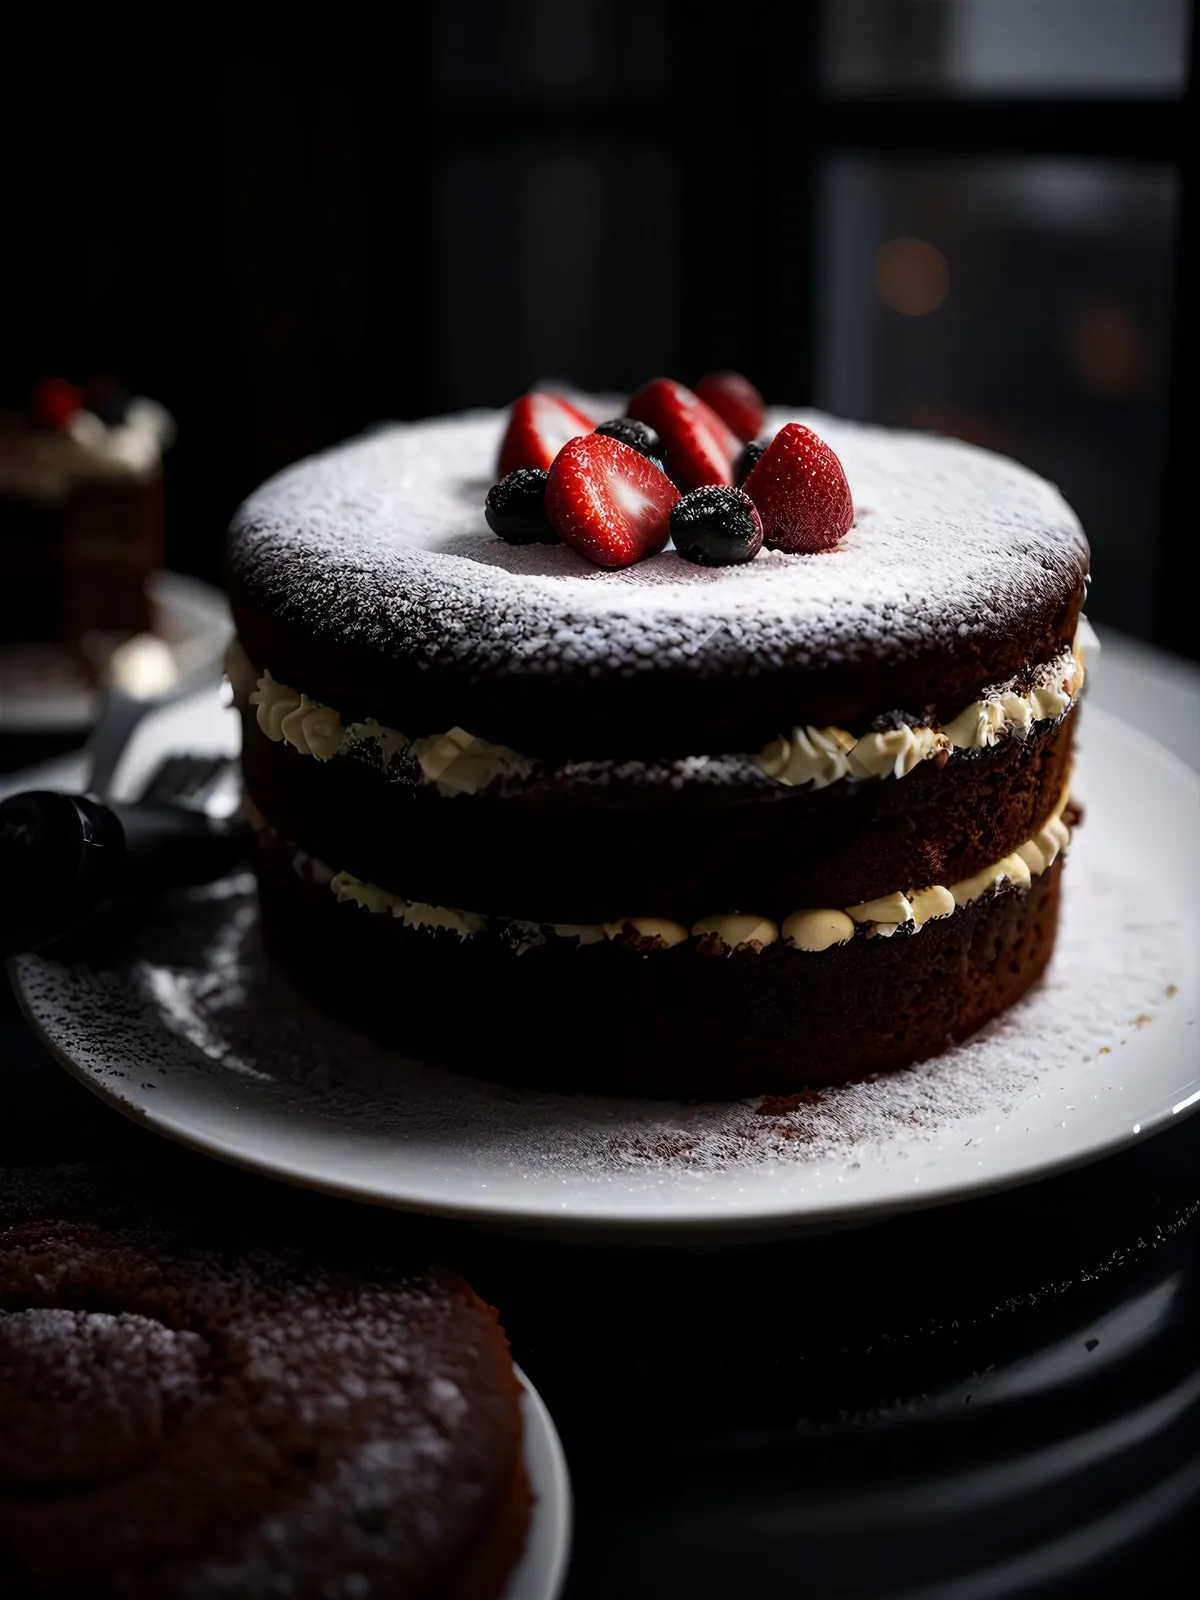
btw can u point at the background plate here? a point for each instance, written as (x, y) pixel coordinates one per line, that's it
(188, 1030)
(543, 1566)
(43, 689)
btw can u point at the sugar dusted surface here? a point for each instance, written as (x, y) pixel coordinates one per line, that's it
(205, 1005)
(382, 541)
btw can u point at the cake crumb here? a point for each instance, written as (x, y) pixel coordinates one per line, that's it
(780, 1105)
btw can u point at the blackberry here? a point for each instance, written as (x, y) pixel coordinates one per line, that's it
(747, 460)
(638, 436)
(716, 527)
(515, 508)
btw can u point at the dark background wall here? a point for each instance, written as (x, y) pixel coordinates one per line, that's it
(287, 222)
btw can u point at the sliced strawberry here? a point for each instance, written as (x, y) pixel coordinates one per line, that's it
(700, 448)
(539, 424)
(609, 502)
(800, 489)
(735, 400)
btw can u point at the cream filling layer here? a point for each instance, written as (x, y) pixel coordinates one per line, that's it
(814, 930)
(457, 762)
(821, 756)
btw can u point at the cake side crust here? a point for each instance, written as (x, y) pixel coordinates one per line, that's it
(570, 862)
(679, 1023)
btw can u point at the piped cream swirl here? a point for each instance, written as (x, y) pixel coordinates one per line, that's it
(820, 756)
(458, 762)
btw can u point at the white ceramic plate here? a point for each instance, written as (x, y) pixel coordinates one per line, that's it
(543, 1566)
(192, 1034)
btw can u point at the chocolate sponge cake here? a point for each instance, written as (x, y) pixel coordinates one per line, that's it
(188, 1412)
(661, 827)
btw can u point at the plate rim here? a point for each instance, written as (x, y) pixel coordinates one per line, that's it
(606, 1224)
(542, 1569)
(605, 1219)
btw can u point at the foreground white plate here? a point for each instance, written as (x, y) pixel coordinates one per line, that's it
(543, 1566)
(192, 1034)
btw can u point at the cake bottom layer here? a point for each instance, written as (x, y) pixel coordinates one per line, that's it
(679, 1023)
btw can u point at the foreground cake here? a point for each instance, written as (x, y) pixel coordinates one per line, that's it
(188, 1413)
(672, 829)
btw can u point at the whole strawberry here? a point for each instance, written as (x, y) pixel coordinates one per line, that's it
(801, 492)
(735, 400)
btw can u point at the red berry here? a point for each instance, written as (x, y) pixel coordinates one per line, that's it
(609, 502)
(700, 448)
(735, 400)
(539, 424)
(55, 402)
(800, 489)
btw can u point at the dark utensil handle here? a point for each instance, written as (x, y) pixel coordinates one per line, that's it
(168, 847)
(64, 857)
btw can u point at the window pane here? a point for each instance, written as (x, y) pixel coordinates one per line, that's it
(1007, 47)
(1023, 304)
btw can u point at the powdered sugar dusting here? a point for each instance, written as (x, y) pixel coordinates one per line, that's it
(206, 1003)
(245, 1420)
(383, 542)
(89, 1387)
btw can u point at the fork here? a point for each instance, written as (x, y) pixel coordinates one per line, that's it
(208, 784)
(127, 702)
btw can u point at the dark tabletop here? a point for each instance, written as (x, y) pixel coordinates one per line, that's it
(988, 1399)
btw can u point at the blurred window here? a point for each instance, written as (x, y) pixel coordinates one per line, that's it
(1135, 48)
(1020, 303)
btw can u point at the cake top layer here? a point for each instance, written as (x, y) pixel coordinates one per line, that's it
(961, 568)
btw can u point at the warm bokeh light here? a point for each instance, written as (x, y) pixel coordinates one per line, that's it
(1108, 351)
(912, 276)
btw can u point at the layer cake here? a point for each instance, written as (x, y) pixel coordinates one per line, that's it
(672, 829)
